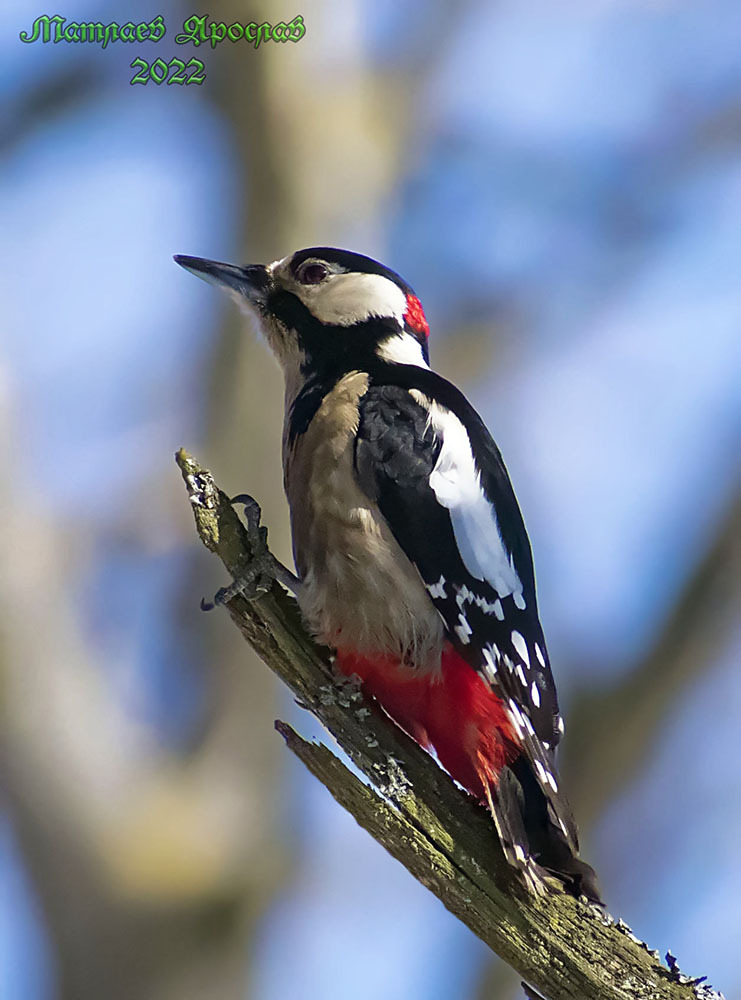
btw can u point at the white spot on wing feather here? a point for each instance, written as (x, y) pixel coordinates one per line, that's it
(535, 694)
(437, 589)
(490, 667)
(463, 630)
(516, 716)
(466, 596)
(521, 646)
(487, 606)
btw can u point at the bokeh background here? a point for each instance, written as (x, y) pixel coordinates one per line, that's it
(560, 180)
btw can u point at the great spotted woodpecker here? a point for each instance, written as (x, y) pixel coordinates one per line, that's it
(413, 558)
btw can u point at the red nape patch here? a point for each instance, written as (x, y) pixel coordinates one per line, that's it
(414, 317)
(455, 713)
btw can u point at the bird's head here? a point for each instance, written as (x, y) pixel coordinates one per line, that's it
(326, 310)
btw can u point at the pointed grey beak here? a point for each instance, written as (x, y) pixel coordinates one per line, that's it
(252, 282)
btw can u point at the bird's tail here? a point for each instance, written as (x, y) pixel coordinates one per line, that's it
(524, 818)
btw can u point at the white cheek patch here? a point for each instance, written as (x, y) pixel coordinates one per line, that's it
(455, 482)
(345, 299)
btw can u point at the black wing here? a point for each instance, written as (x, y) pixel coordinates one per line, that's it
(469, 545)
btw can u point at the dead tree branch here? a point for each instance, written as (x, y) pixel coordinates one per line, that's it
(561, 946)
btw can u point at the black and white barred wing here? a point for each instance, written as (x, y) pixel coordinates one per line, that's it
(440, 483)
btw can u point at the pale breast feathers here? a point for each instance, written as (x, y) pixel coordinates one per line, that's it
(360, 590)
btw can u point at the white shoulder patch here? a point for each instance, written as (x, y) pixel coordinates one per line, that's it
(456, 484)
(404, 349)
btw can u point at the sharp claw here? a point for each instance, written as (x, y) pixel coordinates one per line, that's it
(252, 513)
(224, 594)
(259, 574)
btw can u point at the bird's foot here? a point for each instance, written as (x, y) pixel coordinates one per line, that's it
(258, 573)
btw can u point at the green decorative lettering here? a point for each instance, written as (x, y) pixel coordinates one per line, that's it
(263, 34)
(92, 31)
(235, 32)
(55, 28)
(279, 32)
(218, 33)
(111, 33)
(157, 29)
(298, 28)
(44, 23)
(249, 31)
(194, 30)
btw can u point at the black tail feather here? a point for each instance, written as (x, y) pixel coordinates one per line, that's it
(521, 800)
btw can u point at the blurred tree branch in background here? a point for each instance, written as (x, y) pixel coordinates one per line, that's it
(140, 855)
(560, 945)
(51, 97)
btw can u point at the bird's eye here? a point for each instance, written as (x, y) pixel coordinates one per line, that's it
(312, 274)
